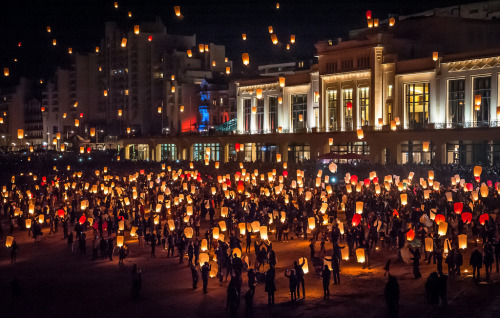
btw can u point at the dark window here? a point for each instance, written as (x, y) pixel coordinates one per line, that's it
(482, 86)
(456, 100)
(247, 113)
(273, 113)
(299, 111)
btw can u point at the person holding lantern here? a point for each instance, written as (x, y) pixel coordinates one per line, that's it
(299, 275)
(205, 271)
(293, 284)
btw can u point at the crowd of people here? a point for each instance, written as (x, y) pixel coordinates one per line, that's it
(214, 216)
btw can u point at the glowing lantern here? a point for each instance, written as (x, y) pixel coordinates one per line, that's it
(116, 5)
(330, 141)
(429, 244)
(92, 132)
(484, 191)
(124, 42)
(404, 199)
(181, 108)
(356, 219)
(370, 23)
(477, 102)
(128, 130)
(458, 207)
(150, 38)
(425, 146)
(54, 42)
(259, 93)
(305, 267)
(483, 218)
(228, 70)
(410, 235)
(28, 223)
(173, 89)
(189, 53)
(431, 175)
(119, 240)
(20, 134)
(136, 29)
(201, 48)
(41, 218)
(462, 241)
(477, 171)
(8, 241)
(435, 56)
(292, 38)
(263, 233)
(360, 134)
(359, 207)
(270, 28)
(246, 58)
(105, 93)
(392, 21)
(439, 218)
(274, 39)
(360, 255)
(332, 167)
(177, 10)
(393, 125)
(368, 14)
(312, 223)
(282, 81)
(188, 232)
(443, 228)
(375, 22)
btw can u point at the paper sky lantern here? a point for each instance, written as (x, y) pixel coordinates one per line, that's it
(458, 207)
(270, 29)
(311, 223)
(359, 207)
(41, 218)
(119, 240)
(82, 219)
(483, 218)
(124, 42)
(246, 59)
(392, 21)
(188, 231)
(443, 228)
(282, 81)
(263, 233)
(462, 241)
(410, 235)
(177, 10)
(255, 226)
(305, 267)
(484, 190)
(435, 56)
(360, 255)
(439, 218)
(242, 228)
(259, 93)
(20, 134)
(8, 241)
(356, 219)
(28, 223)
(368, 14)
(425, 146)
(429, 244)
(332, 167)
(360, 133)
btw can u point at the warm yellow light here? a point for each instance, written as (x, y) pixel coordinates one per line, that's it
(6, 71)
(270, 28)
(189, 53)
(282, 81)
(246, 58)
(181, 109)
(136, 29)
(435, 56)
(292, 38)
(177, 10)
(124, 42)
(274, 39)
(244, 36)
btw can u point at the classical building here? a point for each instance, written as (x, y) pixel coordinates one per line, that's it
(421, 89)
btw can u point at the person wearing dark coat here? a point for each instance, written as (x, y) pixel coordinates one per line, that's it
(293, 283)
(194, 274)
(13, 252)
(488, 259)
(391, 293)
(325, 275)
(476, 261)
(270, 287)
(205, 271)
(416, 262)
(299, 273)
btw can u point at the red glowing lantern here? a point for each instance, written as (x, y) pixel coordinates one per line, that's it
(349, 105)
(240, 188)
(82, 219)
(367, 182)
(477, 178)
(469, 186)
(96, 225)
(354, 179)
(395, 213)
(228, 182)
(285, 174)
(439, 218)
(198, 179)
(150, 38)
(410, 235)
(458, 207)
(237, 147)
(44, 179)
(466, 217)
(356, 219)
(368, 14)
(375, 180)
(489, 183)
(88, 149)
(142, 171)
(60, 213)
(483, 218)
(81, 115)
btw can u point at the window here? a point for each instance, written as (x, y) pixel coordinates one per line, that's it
(299, 111)
(332, 110)
(299, 153)
(456, 100)
(273, 113)
(346, 64)
(199, 151)
(417, 104)
(347, 99)
(357, 147)
(364, 102)
(363, 62)
(413, 152)
(482, 86)
(260, 114)
(168, 152)
(247, 114)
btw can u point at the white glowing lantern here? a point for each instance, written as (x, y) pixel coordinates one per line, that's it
(263, 233)
(462, 241)
(305, 267)
(443, 228)
(360, 255)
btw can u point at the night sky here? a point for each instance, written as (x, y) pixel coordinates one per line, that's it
(80, 24)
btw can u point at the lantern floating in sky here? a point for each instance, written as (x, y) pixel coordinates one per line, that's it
(282, 81)
(188, 231)
(370, 23)
(246, 59)
(477, 102)
(462, 241)
(124, 42)
(263, 233)
(270, 28)
(177, 10)
(392, 21)
(360, 133)
(8, 241)
(189, 53)
(435, 56)
(136, 29)
(20, 134)
(274, 39)
(443, 228)
(228, 70)
(425, 146)
(410, 235)
(429, 244)
(375, 22)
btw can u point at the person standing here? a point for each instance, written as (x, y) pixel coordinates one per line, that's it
(293, 284)
(194, 275)
(270, 287)
(153, 245)
(325, 275)
(136, 281)
(416, 262)
(476, 261)
(13, 253)
(391, 293)
(205, 270)
(299, 272)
